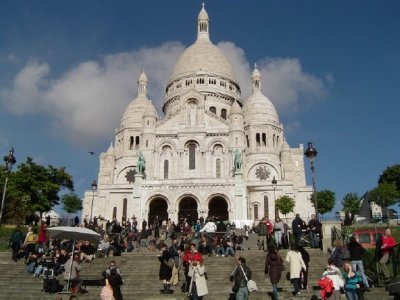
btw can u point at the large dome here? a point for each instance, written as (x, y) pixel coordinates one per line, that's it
(202, 57)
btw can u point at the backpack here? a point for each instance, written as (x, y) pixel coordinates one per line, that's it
(52, 285)
(345, 254)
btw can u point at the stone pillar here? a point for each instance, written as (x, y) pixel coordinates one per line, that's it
(136, 203)
(327, 232)
(241, 206)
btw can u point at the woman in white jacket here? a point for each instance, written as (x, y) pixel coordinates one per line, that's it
(296, 263)
(198, 284)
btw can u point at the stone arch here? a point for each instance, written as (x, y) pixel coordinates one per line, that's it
(166, 142)
(188, 207)
(157, 208)
(210, 145)
(218, 207)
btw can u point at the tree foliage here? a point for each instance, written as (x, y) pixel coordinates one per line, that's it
(285, 204)
(325, 199)
(351, 203)
(385, 194)
(391, 175)
(71, 203)
(35, 188)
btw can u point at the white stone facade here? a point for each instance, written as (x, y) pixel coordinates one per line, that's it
(189, 153)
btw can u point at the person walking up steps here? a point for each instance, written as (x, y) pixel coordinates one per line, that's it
(296, 264)
(273, 268)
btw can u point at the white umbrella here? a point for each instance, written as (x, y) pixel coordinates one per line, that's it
(75, 234)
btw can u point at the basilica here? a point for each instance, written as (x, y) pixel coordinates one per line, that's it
(212, 153)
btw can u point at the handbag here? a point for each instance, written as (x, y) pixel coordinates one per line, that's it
(251, 284)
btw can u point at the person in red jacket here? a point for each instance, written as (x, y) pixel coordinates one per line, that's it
(190, 255)
(388, 242)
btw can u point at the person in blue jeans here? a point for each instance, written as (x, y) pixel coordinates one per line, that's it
(229, 248)
(351, 281)
(240, 275)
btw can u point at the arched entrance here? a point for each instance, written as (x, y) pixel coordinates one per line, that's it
(158, 209)
(188, 209)
(218, 208)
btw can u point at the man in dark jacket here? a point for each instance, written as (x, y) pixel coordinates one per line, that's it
(240, 276)
(297, 229)
(16, 240)
(314, 226)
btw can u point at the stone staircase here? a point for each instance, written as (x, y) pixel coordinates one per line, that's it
(140, 273)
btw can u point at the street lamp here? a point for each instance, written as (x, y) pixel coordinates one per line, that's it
(10, 161)
(311, 154)
(94, 189)
(274, 183)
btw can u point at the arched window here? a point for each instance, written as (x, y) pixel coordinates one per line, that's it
(114, 215)
(255, 211)
(137, 142)
(192, 156)
(266, 208)
(166, 165)
(124, 209)
(218, 168)
(273, 140)
(131, 143)
(258, 139)
(277, 141)
(247, 141)
(223, 113)
(213, 109)
(264, 139)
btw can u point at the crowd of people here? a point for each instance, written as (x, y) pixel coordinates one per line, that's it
(189, 242)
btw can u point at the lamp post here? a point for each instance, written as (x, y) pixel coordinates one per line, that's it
(94, 189)
(274, 183)
(10, 161)
(311, 154)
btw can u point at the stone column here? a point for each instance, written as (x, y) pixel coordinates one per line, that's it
(241, 206)
(136, 203)
(327, 232)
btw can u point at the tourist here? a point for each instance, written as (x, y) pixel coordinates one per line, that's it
(204, 246)
(115, 280)
(273, 268)
(334, 274)
(352, 281)
(278, 232)
(72, 274)
(174, 252)
(229, 249)
(337, 253)
(42, 237)
(198, 284)
(385, 244)
(113, 266)
(240, 275)
(356, 253)
(107, 292)
(314, 227)
(304, 272)
(296, 264)
(209, 226)
(30, 242)
(297, 229)
(16, 241)
(165, 273)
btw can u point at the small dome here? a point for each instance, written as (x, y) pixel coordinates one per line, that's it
(203, 15)
(258, 108)
(138, 108)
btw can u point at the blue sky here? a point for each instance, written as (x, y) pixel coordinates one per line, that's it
(68, 69)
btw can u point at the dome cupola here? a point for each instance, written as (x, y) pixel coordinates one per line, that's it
(258, 109)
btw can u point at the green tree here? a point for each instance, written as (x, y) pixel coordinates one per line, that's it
(391, 175)
(71, 203)
(385, 194)
(325, 199)
(36, 187)
(351, 203)
(285, 204)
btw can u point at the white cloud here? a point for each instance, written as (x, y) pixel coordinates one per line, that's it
(87, 101)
